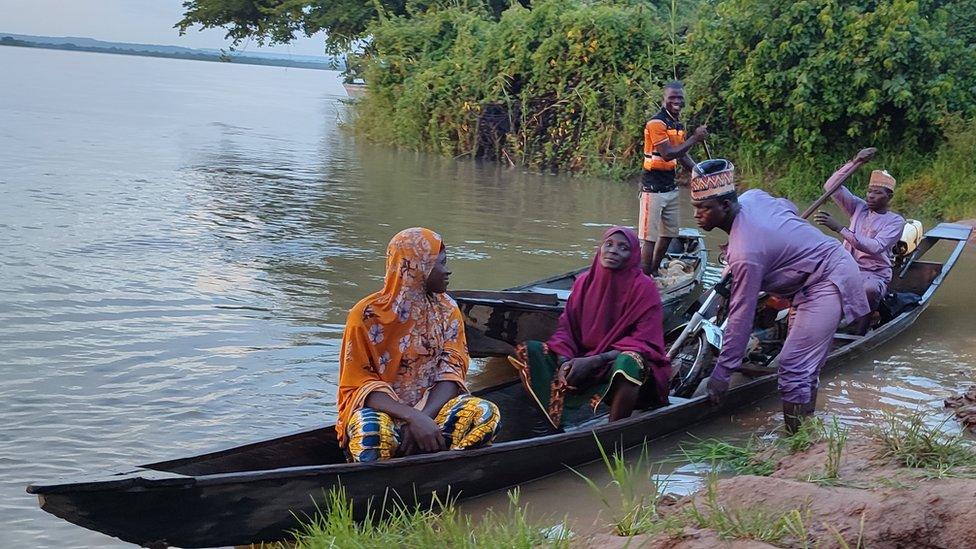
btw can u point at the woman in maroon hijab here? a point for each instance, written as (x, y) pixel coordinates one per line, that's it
(609, 343)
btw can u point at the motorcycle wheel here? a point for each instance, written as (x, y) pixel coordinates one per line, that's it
(691, 364)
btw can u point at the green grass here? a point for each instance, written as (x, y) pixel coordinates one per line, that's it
(634, 510)
(811, 430)
(441, 525)
(836, 440)
(945, 186)
(740, 459)
(753, 523)
(635, 493)
(913, 443)
(754, 456)
(935, 185)
(909, 440)
(836, 437)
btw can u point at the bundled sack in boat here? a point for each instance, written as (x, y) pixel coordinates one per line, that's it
(964, 406)
(676, 271)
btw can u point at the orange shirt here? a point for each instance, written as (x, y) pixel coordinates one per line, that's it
(662, 127)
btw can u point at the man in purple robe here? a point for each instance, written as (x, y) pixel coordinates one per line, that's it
(772, 249)
(871, 235)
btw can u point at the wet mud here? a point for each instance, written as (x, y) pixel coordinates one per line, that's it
(873, 502)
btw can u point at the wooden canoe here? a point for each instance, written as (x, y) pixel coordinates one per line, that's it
(254, 493)
(354, 91)
(496, 321)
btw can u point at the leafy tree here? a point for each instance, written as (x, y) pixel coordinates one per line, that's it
(280, 21)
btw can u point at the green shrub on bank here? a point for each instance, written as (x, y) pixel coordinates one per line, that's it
(946, 187)
(564, 86)
(790, 90)
(816, 76)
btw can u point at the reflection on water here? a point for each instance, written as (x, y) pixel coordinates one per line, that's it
(180, 242)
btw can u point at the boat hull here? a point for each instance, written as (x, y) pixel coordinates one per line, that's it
(225, 510)
(354, 91)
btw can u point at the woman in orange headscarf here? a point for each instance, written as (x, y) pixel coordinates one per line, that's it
(404, 359)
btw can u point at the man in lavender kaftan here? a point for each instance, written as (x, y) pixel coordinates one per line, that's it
(774, 250)
(871, 235)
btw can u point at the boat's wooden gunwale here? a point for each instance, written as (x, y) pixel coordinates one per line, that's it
(855, 347)
(497, 320)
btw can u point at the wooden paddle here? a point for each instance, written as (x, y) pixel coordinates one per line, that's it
(708, 153)
(860, 159)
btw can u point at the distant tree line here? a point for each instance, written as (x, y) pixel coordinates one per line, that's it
(197, 56)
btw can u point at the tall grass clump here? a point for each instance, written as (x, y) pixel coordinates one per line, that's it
(836, 436)
(810, 431)
(946, 187)
(636, 493)
(740, 459)
(749, 523)
(441, 525)
(913, 443)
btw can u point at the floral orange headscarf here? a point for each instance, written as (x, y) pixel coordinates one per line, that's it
(401, 340)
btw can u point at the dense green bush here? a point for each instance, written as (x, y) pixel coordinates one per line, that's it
(819, 76)
(566, 85)
(789, 90)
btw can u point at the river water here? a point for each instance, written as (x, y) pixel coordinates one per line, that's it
(180, 242)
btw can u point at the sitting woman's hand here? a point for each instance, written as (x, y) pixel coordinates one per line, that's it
(561, 374)
(421, 435)
(582, 370)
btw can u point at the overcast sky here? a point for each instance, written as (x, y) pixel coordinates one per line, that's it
(138, 21)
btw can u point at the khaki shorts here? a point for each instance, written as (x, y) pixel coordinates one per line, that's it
(658, 215)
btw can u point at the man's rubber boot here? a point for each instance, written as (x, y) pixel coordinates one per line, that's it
(792, 416)
(810, 407)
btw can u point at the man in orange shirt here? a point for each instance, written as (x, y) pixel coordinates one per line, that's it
(664, 146)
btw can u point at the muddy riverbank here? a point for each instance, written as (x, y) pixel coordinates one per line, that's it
(901, 483)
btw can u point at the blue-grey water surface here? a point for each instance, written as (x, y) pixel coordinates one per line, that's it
(180, 240)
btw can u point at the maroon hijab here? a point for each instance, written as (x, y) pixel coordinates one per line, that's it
(615, 309)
